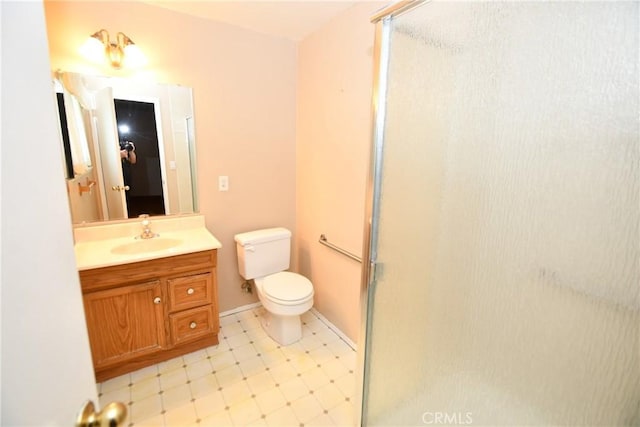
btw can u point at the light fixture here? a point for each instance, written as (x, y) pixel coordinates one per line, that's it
(122, 52)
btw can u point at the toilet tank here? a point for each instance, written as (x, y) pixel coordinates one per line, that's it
(263, 252)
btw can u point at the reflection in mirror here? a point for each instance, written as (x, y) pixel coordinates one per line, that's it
(129, 147)
(64, 134)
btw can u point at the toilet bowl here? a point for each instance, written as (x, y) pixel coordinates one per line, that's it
(263, 255)
(284, 296)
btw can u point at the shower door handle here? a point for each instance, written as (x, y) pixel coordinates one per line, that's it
(375, 272)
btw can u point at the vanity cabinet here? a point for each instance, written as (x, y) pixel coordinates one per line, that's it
(142, 313)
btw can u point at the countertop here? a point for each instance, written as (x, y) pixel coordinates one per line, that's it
(94, 244)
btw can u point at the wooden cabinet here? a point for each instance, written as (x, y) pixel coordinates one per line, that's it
(143, 313)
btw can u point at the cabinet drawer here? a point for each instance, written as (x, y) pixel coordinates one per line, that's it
(191, 324)
(190, 291)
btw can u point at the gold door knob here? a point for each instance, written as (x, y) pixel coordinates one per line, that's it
(192, 325)
(112, 415)
(120, 188)
(157, 300)
(190, 291)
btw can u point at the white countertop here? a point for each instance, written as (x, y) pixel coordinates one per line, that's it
(94, 243)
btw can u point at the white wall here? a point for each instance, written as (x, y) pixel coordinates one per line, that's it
(47, 372)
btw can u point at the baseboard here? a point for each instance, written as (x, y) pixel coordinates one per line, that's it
(334, 328)
(240, 309)
(323, 319)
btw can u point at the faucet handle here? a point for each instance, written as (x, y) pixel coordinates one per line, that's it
(145, 220)
(146, 227)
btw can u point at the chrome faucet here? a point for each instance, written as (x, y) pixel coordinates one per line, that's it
(146, 227)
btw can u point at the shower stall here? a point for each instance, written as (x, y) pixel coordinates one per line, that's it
(502, 235)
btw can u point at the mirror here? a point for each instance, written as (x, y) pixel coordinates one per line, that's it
(129, 147)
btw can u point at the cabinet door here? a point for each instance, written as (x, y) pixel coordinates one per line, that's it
(125, 322)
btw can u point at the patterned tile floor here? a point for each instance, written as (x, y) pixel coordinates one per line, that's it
(246, 380)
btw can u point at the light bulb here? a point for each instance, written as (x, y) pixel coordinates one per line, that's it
(94, 50)
(133, 56)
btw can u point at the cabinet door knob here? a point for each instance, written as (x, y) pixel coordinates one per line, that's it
(190, 291)
(157, 300)
(192, 325)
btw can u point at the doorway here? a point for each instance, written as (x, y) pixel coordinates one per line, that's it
(138, 136)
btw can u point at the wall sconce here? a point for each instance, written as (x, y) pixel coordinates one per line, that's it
(123, 51)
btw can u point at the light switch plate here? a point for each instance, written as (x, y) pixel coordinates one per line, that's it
(223, 183)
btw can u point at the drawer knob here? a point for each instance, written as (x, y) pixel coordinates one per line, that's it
(190, 291)
(192, 325)
(157, 300)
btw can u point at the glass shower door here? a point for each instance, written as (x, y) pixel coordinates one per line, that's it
(505, 216)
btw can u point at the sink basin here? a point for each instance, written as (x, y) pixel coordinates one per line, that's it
(141, 246)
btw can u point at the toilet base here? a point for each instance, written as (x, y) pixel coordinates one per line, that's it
(284, 330)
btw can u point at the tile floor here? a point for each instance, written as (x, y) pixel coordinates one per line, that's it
(246, 380)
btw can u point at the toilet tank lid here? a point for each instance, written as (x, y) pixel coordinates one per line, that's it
(262, 236)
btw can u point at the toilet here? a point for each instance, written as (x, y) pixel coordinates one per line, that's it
(264, 255)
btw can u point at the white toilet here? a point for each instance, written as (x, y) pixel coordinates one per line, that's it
(263, 255)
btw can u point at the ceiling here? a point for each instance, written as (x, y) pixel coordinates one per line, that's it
(291, 19)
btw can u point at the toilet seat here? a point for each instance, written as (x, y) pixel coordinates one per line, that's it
(287, 288)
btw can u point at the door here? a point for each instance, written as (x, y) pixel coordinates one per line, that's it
(191, 142)
(110, 155)
(46, 362)
(504, 216)
(145, 178)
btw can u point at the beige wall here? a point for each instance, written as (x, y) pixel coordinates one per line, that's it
(335, 71)
(244, 96)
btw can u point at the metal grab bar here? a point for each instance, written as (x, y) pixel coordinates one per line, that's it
(323, 240)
